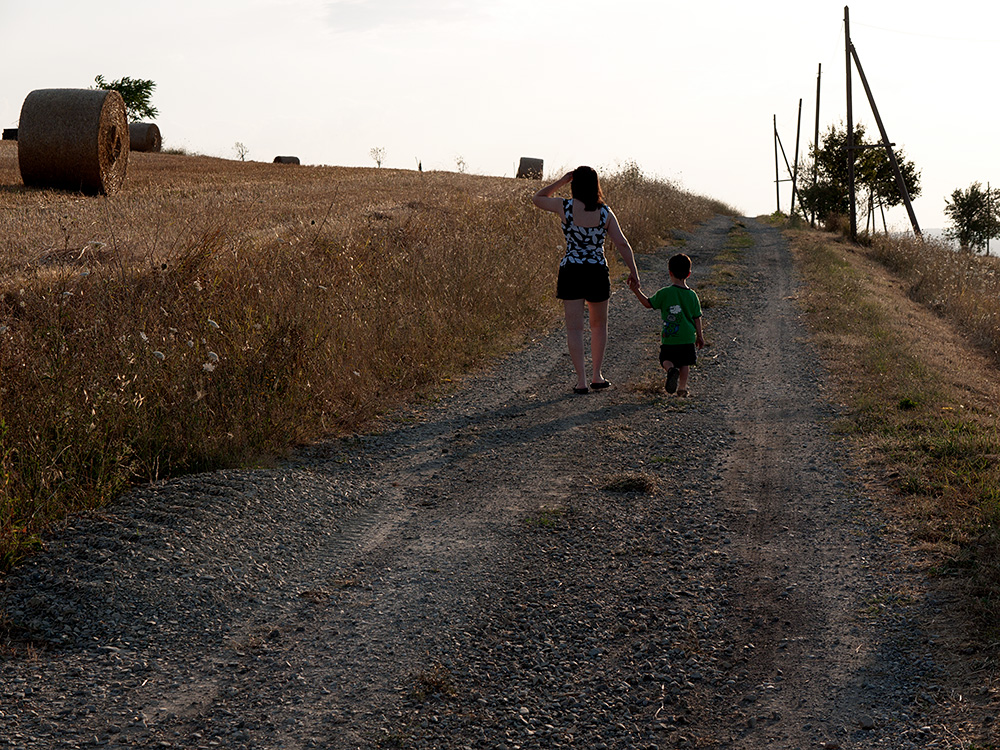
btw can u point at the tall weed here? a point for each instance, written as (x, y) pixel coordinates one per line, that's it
(216, 313)
(959, 285)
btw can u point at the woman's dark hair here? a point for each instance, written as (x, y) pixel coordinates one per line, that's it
(586, 188)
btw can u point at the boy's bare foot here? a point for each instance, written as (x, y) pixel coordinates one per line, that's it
(682, 392)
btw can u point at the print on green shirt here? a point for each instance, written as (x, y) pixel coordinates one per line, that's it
(678, 307)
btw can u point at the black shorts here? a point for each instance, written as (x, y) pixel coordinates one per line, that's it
(589, 281)
(681, 355)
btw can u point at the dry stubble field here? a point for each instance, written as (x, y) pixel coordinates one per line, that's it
(215, 312)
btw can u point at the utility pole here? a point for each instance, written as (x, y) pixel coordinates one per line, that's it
(819, 75)
(852, 53)
(777, 174)
(795, 170)
(850, 127)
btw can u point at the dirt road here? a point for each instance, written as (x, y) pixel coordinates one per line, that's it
(513, 566)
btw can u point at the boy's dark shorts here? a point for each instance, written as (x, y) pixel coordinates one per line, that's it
(589, 281)
(681, 355)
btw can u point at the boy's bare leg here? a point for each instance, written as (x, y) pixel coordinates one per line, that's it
(574, 338)
(598, 337)
(682, 381)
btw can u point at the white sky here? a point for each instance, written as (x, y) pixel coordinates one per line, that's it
(687, 90)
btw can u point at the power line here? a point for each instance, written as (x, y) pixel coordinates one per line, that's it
(930, 36)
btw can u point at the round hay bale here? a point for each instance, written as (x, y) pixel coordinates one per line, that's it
(286, 160)
(144, 136)
(530, 169)
(10, 134)
(73, 139)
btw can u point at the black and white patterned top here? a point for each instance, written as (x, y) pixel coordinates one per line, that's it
(584, 244)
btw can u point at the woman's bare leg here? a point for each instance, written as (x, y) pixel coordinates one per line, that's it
(598, 337)
(574, 338)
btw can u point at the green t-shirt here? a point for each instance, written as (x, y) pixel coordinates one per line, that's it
(679, 307)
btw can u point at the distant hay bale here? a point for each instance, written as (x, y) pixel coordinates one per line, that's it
(144, 136)
(73, 139)
(10, 134)
(529, 168)
(286, 160)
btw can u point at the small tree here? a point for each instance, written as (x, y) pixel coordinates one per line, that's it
(461, 164)
(241, 151)
(874, 178)
(972, 217)
(136, 93)
(378, 154)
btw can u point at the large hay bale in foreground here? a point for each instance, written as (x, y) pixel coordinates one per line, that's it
(529, 168)
(73, 139)
(144, 136)
(286, 160)
(10, 134)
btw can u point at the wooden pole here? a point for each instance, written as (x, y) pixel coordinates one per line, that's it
(903, 192)
(850, 127)
(795, 169)
(777, 174)
(819, 76)
(788, 167)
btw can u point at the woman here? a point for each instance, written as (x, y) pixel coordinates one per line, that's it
(583, 272)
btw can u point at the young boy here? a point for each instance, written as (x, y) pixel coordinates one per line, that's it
(681, 311)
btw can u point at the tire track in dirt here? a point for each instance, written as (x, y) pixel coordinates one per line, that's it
(465, 578)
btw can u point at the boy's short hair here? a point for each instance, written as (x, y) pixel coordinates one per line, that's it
(680, 266)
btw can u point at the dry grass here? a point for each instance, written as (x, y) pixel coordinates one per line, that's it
(906, 329)
(630, 481)
(958, 285)
(216, 312)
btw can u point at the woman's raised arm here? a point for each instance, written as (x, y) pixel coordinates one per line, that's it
(543, 198)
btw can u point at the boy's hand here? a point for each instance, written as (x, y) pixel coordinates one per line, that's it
(699, 342)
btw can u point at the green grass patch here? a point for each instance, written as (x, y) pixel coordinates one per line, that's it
(907, 404)
(546, 518)
(727, 270)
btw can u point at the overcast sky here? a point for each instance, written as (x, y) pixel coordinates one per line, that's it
(687, 90)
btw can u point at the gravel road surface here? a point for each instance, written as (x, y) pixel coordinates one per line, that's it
(512, 566)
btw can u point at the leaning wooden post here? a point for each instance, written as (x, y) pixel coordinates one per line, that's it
(903, 192)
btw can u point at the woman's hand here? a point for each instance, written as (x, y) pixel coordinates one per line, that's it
(543, 198)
